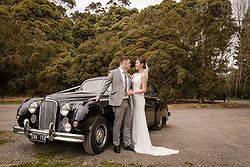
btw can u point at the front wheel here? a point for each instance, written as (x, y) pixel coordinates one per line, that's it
(98, 137)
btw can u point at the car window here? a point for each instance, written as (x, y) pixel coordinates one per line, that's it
(93, 86)
(109, 88)
(150, 90)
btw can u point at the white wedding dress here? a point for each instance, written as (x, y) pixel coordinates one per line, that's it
(140, 134)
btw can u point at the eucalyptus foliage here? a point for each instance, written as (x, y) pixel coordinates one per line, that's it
(186, 45)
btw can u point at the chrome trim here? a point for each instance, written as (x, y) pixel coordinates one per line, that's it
(51, 134)
(48, 99)
(63, 91)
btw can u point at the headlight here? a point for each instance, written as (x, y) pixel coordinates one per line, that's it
(67, 127)
(33, 118)
(32, 107)
(65, 109)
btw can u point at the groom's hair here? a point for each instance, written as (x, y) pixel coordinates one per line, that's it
(122, 58)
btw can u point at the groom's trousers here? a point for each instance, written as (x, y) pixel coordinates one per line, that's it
(123, 114)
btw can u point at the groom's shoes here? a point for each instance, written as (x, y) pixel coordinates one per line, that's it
(117, 149)
(129, 148)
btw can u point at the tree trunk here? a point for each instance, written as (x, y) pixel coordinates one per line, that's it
(244, 86)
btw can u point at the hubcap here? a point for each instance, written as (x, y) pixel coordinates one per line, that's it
(101, 135)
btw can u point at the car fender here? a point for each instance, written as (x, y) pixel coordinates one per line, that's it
(86, 115)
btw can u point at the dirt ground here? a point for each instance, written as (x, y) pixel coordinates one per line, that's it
(205, 136)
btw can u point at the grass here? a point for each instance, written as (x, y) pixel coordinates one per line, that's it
(53, 163)
(3, 141)
(46, 156)
(111, 164)
(42, 164)
(2, 132)
(11, 102)
(3, 136)
(46, 159)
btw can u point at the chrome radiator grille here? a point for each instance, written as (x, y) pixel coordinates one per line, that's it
(47, 114)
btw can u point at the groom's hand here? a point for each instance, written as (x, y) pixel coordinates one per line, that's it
(97, 98)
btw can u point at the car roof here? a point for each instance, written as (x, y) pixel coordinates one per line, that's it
(96, 78)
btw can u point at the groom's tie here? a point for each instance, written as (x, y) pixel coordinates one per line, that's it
(125, 84)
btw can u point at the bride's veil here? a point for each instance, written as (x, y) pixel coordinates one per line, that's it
(146, 71)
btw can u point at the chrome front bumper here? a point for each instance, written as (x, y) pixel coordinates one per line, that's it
(50, 133)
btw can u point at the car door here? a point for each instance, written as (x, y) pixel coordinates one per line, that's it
(150, 100)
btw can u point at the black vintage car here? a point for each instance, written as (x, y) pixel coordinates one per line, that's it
(71, 116)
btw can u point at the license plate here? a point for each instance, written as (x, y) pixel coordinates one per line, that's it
(38, 137)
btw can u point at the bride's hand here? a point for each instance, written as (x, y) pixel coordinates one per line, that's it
(130, 92)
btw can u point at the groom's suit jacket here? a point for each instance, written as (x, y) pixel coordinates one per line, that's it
(117, 89)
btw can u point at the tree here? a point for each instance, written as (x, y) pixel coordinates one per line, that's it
(33, 34)
(245, 55)
(240, 9)
(118, 3)
(69, 3)
(96, 8)
(186, 45)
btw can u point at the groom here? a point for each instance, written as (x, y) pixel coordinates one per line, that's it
(119, 100)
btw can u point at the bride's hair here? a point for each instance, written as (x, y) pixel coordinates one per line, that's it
(142, 61)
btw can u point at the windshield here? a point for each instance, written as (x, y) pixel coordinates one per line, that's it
(92, 86)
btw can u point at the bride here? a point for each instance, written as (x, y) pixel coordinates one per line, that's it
(140, 134)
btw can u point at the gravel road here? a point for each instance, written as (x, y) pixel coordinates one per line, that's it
(204, 136)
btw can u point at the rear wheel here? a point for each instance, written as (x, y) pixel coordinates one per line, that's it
(97, 138)
(163, 122)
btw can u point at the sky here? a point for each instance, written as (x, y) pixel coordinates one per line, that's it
(139, 4)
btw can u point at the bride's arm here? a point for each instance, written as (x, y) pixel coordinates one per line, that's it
(143, 85)
(132, 76)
